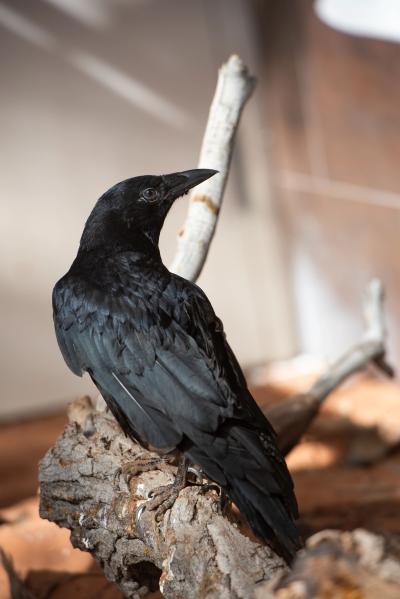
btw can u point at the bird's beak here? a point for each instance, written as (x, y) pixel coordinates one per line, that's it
(180, 183)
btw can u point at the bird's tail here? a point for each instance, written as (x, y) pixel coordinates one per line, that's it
(248, 465)
(267, 517)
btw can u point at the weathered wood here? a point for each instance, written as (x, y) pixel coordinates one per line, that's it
(198, 551)
(357, 564)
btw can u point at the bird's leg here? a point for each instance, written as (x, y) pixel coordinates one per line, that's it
(145, 464)
(164, 497)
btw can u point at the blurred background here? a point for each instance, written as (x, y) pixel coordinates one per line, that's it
(95, 91)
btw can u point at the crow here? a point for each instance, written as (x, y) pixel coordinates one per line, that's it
(155, 349)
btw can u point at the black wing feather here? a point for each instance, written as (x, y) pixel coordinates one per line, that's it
(171, 379)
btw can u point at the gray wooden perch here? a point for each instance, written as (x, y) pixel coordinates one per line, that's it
(201, 548)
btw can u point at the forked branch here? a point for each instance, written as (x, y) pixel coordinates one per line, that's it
(293, 417)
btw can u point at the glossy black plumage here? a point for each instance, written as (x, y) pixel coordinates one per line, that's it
(157, 352)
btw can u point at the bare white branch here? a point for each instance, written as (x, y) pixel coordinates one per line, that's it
(370, 350)
(234, 87)
(292, 418)
(373, 311)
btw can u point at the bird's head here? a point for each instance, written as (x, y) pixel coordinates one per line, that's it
(139, 205)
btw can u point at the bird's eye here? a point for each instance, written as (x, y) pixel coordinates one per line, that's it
(150, 194)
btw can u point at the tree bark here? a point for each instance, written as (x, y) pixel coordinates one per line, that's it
(357, 564)
(197, 551)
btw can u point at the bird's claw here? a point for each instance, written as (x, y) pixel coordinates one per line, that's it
(198, 474)
(162, 499)
(223, 498)
(159, 500)
(140, 465)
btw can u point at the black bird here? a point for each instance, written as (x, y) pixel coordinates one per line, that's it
(152, 344)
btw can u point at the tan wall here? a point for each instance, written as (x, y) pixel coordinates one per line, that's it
(334, 117)
(92, 97)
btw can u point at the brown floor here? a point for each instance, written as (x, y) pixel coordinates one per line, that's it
(22, 445)
(346, 472)
(40, 551)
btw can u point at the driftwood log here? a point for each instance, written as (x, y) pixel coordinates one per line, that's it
(201, 548)
(195, 552)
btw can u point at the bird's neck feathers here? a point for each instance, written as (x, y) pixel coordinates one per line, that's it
(107, 234)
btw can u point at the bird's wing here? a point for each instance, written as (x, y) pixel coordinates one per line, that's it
(169, 348)
(96, 334)
(143, 352)
(231, 438)
(163, 362)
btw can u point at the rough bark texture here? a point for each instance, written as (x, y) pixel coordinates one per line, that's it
(196, 549)
(353, 565)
